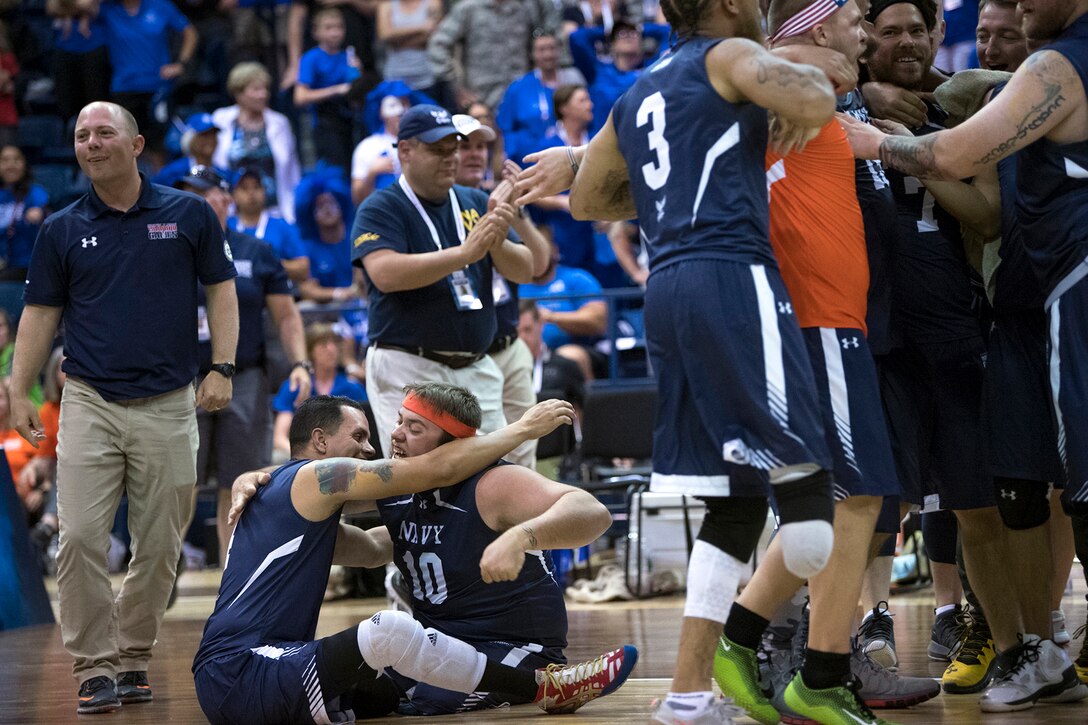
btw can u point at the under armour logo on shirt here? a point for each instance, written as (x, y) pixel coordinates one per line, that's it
(785, 308)
(92, 242)
(849, 342)
(1011, 495)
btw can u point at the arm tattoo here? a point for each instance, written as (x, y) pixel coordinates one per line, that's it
(912, 156)
(532, 536)
(1047, 73)
(784, 76)
(613, 196)
(335, 476)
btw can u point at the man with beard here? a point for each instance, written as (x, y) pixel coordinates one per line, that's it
(1042, 116)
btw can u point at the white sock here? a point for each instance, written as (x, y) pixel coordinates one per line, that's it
(690, 704)
(945, 608)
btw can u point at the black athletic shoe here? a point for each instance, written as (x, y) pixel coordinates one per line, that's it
(133, 687)
(97, 695)
(947, 635)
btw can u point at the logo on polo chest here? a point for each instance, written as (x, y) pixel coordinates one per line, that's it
(89, 242)
(162, 231)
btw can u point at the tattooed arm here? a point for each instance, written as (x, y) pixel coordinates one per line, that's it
(1044, 99)
(741, 70)
(602, 188)
(533, 513)
(321, 487)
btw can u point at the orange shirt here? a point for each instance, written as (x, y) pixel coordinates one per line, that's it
(50, 415)
(817, 231)
(18, 452)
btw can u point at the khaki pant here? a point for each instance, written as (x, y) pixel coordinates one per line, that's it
(388, 371)
(518, 395)
(144, 447)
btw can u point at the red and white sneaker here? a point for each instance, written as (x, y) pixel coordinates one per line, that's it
(565, 688)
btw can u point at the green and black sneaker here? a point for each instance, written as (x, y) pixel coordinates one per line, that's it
(737, 673)
(832, 706)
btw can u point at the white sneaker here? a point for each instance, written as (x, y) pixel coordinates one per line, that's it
(720, 712)
(1059, 633)
(1041, 670)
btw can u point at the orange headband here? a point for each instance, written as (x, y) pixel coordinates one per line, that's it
(442, 419)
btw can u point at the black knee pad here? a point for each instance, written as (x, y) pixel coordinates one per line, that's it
(733, 525)
(1022, 504)
(807, 499)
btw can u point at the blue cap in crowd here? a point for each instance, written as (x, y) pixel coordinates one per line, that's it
(427, 123)
(202, 178)
(200, 122)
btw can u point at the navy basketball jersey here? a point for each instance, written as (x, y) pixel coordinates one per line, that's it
(1016, 286)
(1053, 184)
(879, 214)
(932, 292)
(438, 539)
(275, 577)
(696, 163)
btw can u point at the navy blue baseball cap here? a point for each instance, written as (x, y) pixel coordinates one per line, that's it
(427, 123)
(202, 178)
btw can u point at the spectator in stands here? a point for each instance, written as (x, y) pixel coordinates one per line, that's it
(253, 217)
(608, 79)
(252, 134)
(428, 248)
(46, 460)
(81, 64)
(483, 32)
(594, 13)
(374, 163)
(238, 438)
(138, 36)
(9, 68)
(509, 353)
(574, 114)
(212, 20)
(359, 31)
(23, 207)
(572, 324)
(22, 458)
(7, 349)
(627, 248)
(325, 74)
(323, 346)
(405, 26)
(323, 206)
(554, 376)
(496, 149)
(198, 144)
(956, 50)
(526, 113)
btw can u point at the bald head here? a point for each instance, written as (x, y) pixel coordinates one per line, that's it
(124, 120)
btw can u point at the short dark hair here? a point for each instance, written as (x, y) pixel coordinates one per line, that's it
(321, 411)
(928, 9)
(1007, 4)
(684, 15)
(451, 399)
(529, 306)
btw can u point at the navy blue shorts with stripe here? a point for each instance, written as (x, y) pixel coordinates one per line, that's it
(735, 387)
(424, 699)
(1021, 433)
(1069, 386)
(854, 425)
(932, 398)
(275, 684)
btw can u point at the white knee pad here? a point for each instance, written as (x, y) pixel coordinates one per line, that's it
(396, 640)
(806, 546)
(713, 577)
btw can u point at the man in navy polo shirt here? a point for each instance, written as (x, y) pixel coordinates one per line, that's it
(121, 265)
(428, 248)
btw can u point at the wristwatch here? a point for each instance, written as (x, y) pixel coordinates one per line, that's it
(224, 369)
(305, 365)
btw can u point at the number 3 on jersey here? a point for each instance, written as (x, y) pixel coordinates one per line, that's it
(652, 110)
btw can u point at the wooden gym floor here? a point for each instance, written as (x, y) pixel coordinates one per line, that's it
(36, 684)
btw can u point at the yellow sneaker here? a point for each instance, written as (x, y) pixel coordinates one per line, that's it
(1081, 663)
(973, 667)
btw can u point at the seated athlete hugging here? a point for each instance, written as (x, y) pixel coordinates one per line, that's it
(258, 661)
